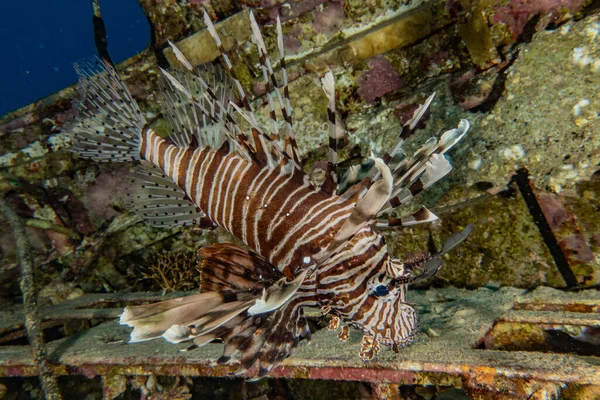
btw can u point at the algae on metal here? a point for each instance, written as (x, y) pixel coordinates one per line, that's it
(541, 121)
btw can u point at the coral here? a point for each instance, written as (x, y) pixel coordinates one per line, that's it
(158, 388)
(553, 209)
(517, 13)
(379, 80)
(57, 292)
(328, 20)
(292, 45)
(577, 249)
(172, 271)
(173, 20)
(99, 197)
(289, 10)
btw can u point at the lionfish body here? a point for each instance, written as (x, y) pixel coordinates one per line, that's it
(311, 245)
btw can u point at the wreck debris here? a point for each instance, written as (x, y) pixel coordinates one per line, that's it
(537, 213)
(100, 34)
(32, 316)
(472, 351)
(568, 55)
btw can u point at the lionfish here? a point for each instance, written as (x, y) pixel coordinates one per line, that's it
(312, 245)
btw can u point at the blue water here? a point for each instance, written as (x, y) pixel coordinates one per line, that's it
(42, 39)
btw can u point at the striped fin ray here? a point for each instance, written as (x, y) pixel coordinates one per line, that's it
(269, 80)
(261, 139)
(273, 85)
(156, 198)
(329, 186)
(357, 173)
(202, 118)
(422, 216)
(110, 123)
(427, 167)
(290, 139)
(409, 128)
(365, 209)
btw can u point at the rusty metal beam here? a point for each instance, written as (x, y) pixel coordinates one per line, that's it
(448, 353)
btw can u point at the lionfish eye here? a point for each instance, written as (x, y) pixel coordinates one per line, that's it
(381, 290)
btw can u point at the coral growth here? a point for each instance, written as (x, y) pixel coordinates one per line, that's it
(517, 13)
(99, 197)
(577, 249)
(328, 20)
(379, 80)
(172, 271)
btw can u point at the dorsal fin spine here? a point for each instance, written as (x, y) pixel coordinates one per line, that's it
(112, 125)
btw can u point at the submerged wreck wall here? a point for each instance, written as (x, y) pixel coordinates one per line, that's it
(524, 75)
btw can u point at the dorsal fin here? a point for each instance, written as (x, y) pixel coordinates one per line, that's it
(330, 184)
(205, 121)
(226, 266)
(272, 85)
(261, 140)
(214, 106)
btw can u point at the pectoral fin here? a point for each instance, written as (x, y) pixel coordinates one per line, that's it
(430, 265)
(364, 211)
(277, 295)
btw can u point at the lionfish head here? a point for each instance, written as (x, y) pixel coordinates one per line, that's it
(384, 316)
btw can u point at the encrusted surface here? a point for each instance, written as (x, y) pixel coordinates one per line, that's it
(549, 114)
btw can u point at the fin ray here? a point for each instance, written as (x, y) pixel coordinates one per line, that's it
(226, 266)
(156, 198)
(111, 124)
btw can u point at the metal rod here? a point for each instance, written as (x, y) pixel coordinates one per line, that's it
(100, 33)
(32, 314)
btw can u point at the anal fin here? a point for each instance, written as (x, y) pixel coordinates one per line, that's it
(156, 198)
(226, 266)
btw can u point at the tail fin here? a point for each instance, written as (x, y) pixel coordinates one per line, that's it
(244, 303)
(110, 123)
(184, 318)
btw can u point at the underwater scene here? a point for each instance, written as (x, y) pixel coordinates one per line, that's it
(300, 199)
